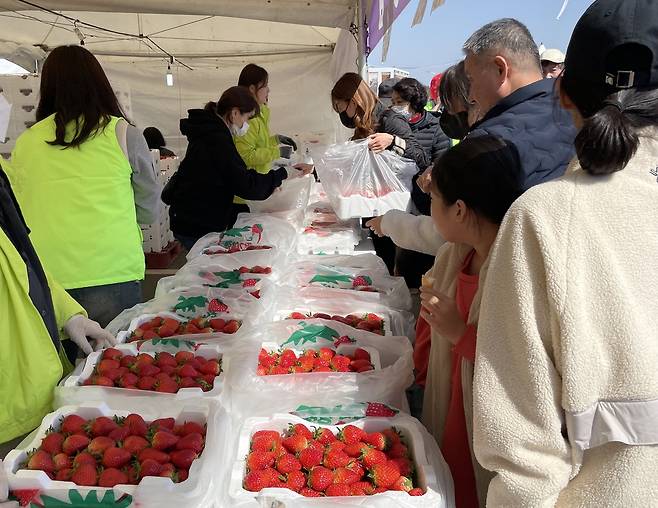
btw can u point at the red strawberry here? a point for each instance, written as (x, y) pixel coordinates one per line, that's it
(355, 449)
(347, 476)
(163, 424)
(358, 364)
(320, 478)
(169, 471)
(75, 443)
(184, 356)
(164, 358)
(52, 443)
(307, 492)
(295, 481)
(217, 324)
(321, 315)
(102, 426)
(258, 460)
(416, 492)
(62, 461)
(106, 365)
(192, 441)
(85, 475)
(191, 428)
(351, 434)
(99, 444)
(127, 380)
(295, 443)
(183, 458)
(264, 442)
(301, 430)
(111, 477)
(287, 358)
(361, 354)
(63, 475)
(73, 424)
(25, 496)
(188, 371)
(153, 454)
(278, 370)
(356, 467)
(211, 367)
(267, 359)
(377, 409)
(166, 386)
(135, 444)
(288, 463)
(310, 457)
(335, 459)
(119, 434)
(405, 466)
(371, 457)
(377, 440)
(392, 435)
(232, 326)
(183, 474)
(326, 353)
(146, 369)
(384, 475)
(100, 381)
(216, 306)
(340, 363)
(362, 489)
(255, 481)
(397, 451)
(116, 457)
(402, 483)
(163, 440)
(149, 467)
(42, 461)
(324, 436)
(338, 489)
(146, 383)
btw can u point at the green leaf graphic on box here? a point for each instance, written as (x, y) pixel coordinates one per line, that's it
(228, 278)
(236, 232)
(191, 303)
(331, 279)
(76, 499)
(173, 343)
(311, 333)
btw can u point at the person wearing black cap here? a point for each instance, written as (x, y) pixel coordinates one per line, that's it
(385, 91)
(566, 384)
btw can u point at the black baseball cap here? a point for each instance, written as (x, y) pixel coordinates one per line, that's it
(615, 45)
(385, 90)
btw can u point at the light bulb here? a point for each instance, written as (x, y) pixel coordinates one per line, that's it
(169, 77)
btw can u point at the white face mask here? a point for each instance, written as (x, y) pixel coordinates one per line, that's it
(402, 110)
(239, 131)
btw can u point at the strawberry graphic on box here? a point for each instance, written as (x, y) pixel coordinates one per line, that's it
(216, 306)
(257, 229)
(361, 280)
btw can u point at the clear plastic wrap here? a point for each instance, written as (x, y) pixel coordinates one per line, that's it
(361, 183)
(292, 195)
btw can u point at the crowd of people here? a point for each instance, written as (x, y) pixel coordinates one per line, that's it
(532, 238)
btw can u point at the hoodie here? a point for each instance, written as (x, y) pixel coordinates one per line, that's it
(201, 192)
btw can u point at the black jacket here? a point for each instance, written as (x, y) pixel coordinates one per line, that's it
(428, 133)
(201, 191)
(390, 122)
(543, 133)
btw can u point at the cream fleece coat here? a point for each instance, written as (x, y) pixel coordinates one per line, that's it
(418, 233)
(568, 328)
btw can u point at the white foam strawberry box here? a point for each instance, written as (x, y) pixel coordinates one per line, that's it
(124, 336)
(342, 349)
(333, 308)
(31, 479)
(426, 477)
(358, 206)
(107, 393)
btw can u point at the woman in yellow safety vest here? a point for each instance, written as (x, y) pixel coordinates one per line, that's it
(258, 148)
(85, 180)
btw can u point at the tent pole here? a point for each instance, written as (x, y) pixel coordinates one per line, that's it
(362, 39)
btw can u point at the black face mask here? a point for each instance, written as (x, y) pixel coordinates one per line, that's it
(347, 121)
(454, 126)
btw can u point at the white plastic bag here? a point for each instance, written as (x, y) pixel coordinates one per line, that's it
(361, 183)
(248, 393)
(293, 194)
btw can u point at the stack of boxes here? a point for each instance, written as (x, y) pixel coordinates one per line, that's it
(22, 92)
(158, 236)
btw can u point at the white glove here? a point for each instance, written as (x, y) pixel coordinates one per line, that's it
(79, 328)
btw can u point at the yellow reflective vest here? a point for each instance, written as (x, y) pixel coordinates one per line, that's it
(79, 205)
(30, 366)
(258, 148)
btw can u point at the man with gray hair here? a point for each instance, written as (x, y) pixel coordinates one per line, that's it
(503, 67)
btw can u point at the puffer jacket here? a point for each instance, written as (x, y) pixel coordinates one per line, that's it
(428, 133)
(540, 129)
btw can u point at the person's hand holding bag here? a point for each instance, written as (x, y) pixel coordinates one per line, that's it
(80, 329)
(380, 141)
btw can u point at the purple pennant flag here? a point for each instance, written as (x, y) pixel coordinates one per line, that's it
(382, 15)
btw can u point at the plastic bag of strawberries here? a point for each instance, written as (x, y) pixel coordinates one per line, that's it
(288, 363)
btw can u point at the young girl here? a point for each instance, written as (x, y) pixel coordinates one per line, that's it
(473, 185)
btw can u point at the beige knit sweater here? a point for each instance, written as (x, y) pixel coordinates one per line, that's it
(566, 372)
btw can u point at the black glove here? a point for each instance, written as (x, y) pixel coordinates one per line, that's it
(285, 140)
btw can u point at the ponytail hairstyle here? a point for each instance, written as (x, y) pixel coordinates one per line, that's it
(612, 118)
(351, 87)
(483, 172)
(234, 97)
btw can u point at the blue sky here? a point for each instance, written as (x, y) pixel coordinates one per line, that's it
(435, 44)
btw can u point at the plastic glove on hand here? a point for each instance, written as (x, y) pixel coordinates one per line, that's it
(285, 140)
(80, 329)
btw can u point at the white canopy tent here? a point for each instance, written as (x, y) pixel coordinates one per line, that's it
(305, 46)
